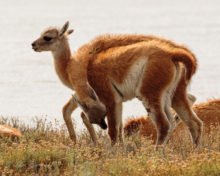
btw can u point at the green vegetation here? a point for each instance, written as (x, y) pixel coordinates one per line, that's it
(45, 150)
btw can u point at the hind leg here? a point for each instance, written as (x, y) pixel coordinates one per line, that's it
(191, 98)
(159, 119)
(167, 100)
(170, 118)
(183, 108)
(189, 117)
(157, 80)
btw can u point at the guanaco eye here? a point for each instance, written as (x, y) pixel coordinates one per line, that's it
(47, 38)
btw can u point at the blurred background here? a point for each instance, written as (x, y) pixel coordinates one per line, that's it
(29, 86)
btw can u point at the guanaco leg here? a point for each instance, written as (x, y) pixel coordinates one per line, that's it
(68, 109)
(115, 126)
(184, 110)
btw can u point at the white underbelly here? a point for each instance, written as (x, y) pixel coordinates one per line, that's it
(130, 86)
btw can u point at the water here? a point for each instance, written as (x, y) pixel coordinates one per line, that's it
(29, 86)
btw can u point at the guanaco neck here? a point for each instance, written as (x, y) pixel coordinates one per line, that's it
(72, 72)
(62, 57)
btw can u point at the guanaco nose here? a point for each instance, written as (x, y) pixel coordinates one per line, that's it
(33, 44)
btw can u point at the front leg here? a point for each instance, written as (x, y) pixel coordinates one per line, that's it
(115, 123)
(68, 108)
(89, 127)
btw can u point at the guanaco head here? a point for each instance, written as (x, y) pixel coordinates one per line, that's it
(95, 111)
(52, 38)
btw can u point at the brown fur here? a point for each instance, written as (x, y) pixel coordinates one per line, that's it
(9, 132)
(112, 41)
(208, 112)
(110, 58)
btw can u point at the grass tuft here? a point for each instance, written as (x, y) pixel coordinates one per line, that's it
(46, 150)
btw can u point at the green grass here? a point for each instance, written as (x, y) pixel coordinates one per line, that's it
(45, 150)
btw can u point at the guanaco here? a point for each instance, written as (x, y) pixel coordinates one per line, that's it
(9, 132)
(208, 112)
(152, 69)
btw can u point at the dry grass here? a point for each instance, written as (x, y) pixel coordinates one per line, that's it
(45, 150)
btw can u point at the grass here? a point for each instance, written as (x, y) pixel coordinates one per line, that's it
(46, 150)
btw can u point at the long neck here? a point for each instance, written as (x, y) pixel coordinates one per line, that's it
(62, 57)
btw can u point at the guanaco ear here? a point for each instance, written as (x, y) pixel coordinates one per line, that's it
(69, 31)
(64, 29)
(92, 93)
